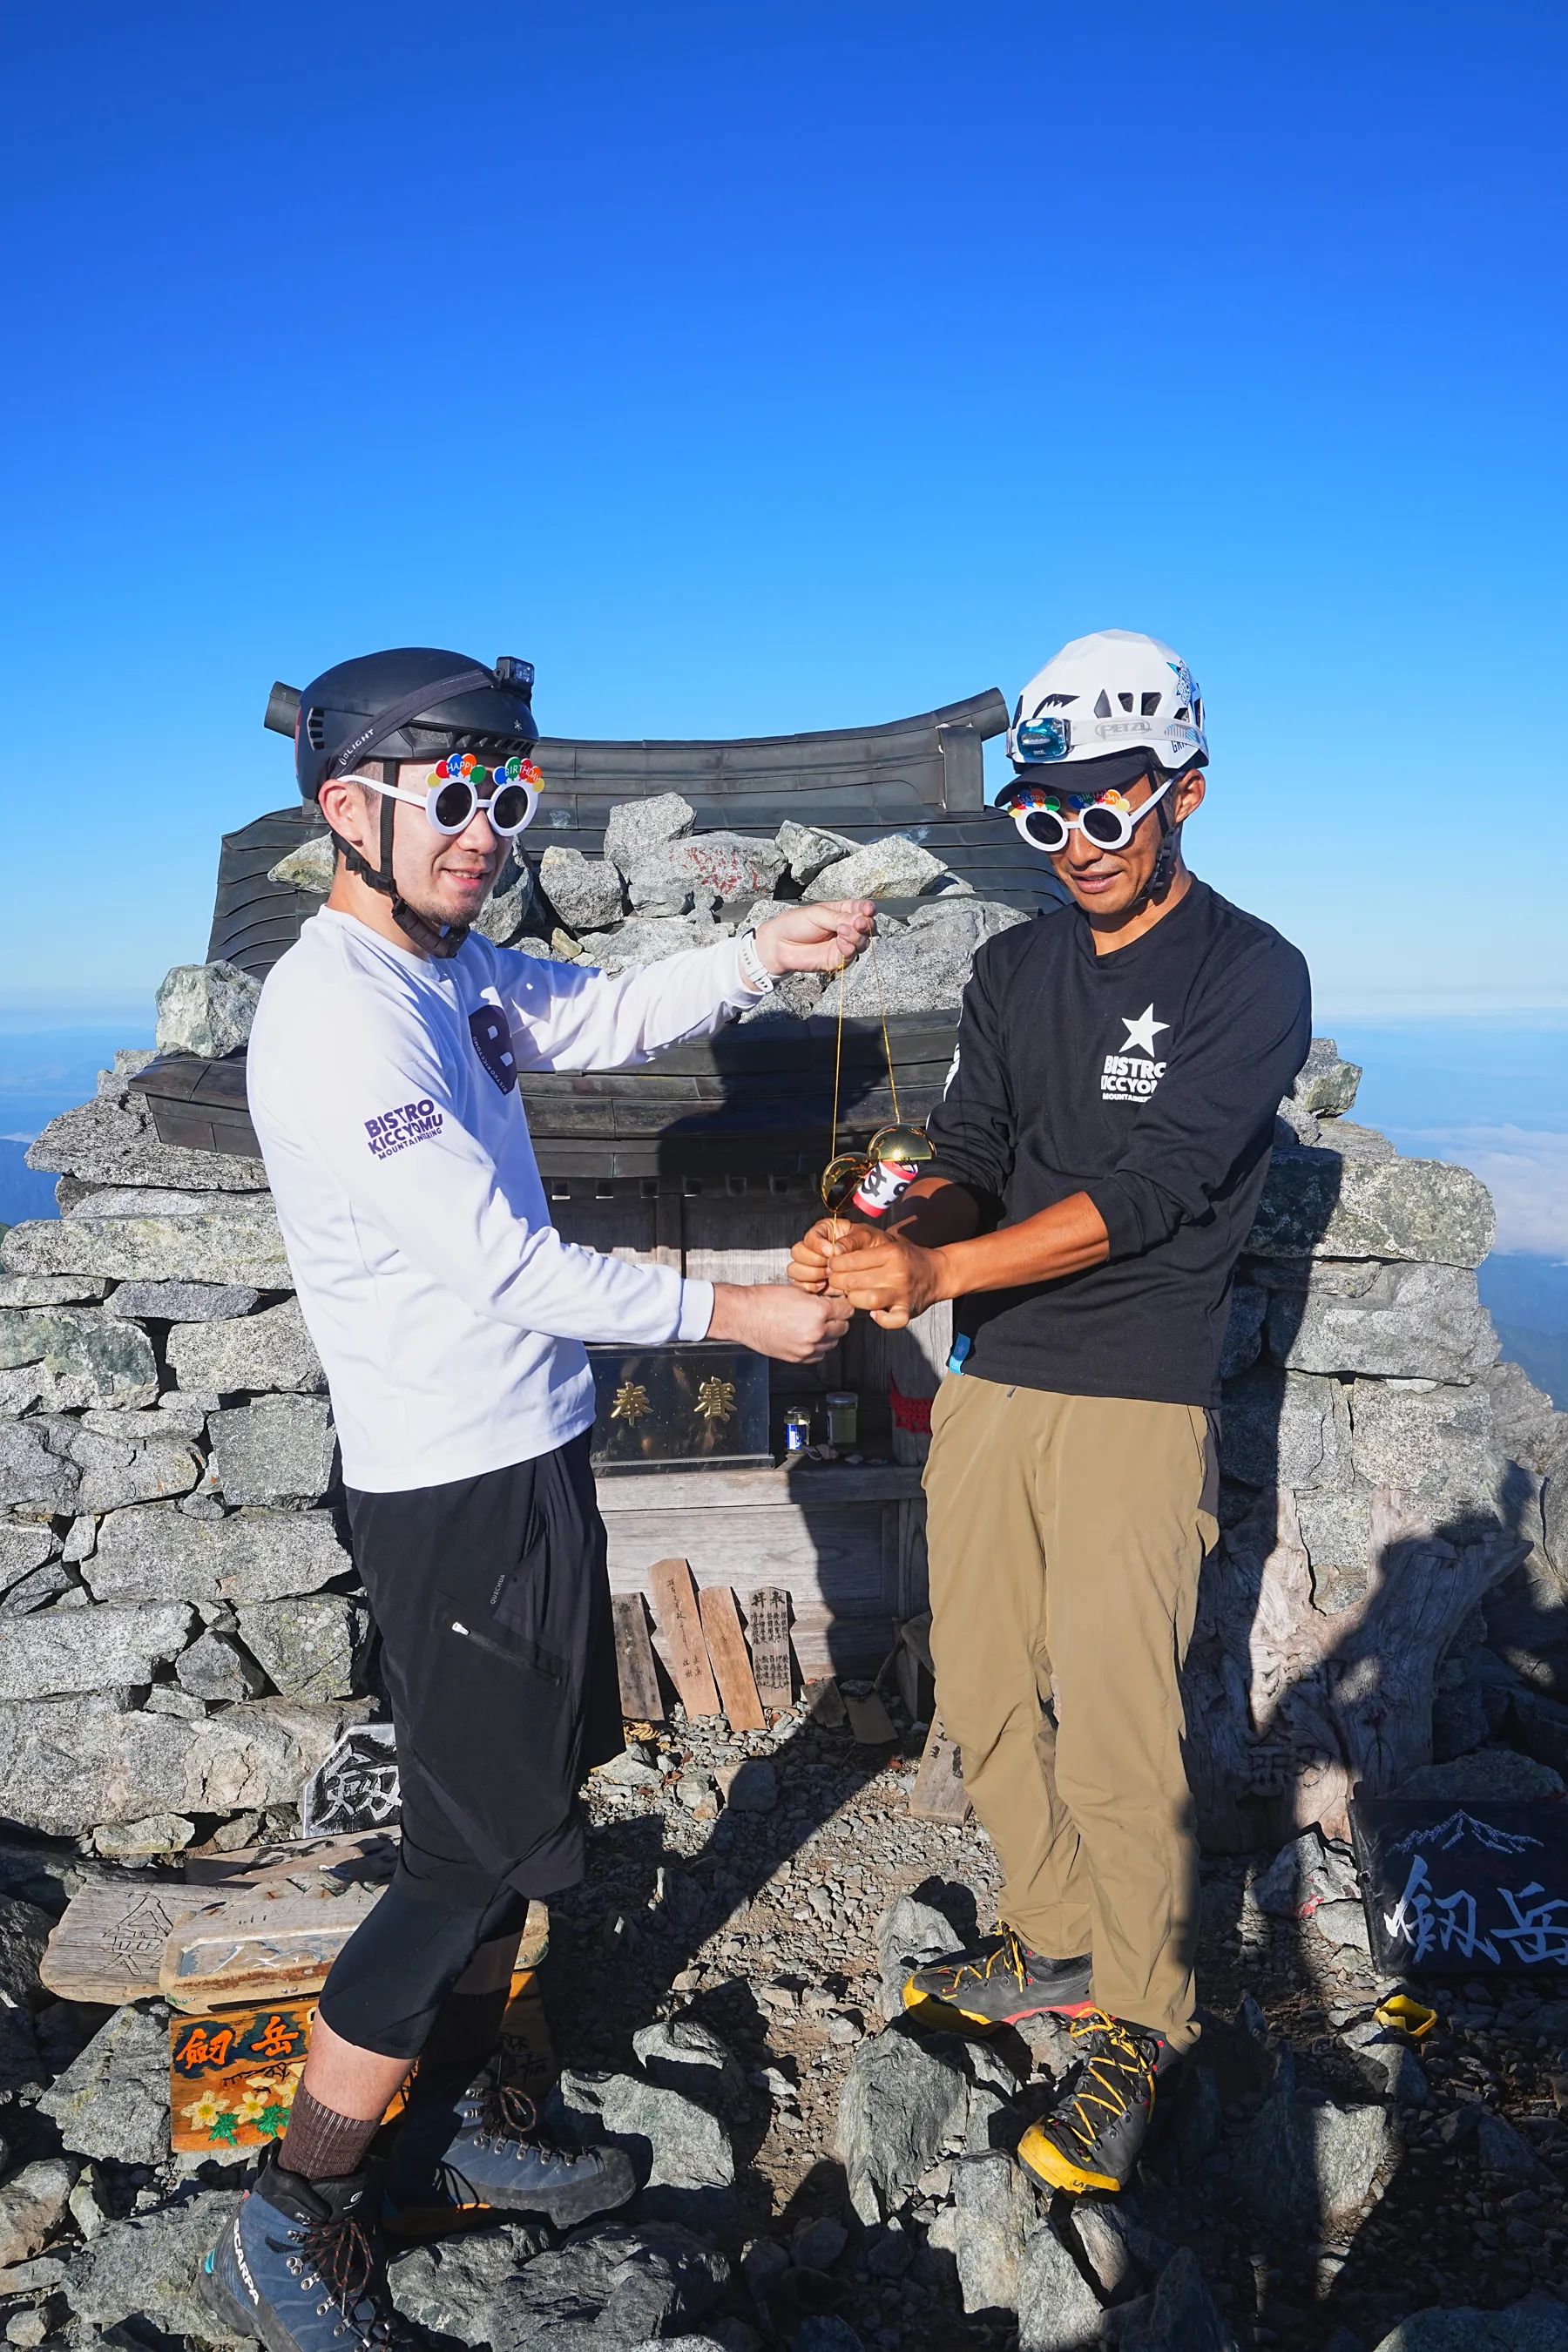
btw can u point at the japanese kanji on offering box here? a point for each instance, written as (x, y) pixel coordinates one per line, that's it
(1452, 1890)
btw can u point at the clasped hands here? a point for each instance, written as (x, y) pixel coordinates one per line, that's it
(892, 1279)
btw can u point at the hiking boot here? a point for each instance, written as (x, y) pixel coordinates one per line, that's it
(299, 2266)
(1095, 2132)
(998, 1981)
(484, 2151)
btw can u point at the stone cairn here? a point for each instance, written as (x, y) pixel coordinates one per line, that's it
(186, 1640)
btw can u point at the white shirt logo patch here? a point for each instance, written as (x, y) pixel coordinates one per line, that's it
(1133, 1074)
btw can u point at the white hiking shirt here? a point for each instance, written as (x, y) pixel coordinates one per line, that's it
(447, 1312)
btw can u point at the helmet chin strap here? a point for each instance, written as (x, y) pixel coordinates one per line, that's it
(1165, 863)
(430, 939)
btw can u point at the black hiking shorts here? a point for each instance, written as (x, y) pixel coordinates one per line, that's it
(493, 1604)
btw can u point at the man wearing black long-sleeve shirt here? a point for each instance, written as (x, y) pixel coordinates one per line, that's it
(1099, 1153)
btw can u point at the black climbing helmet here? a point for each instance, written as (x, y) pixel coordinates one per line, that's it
(416, 702)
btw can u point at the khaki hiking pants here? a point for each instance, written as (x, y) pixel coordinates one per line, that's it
(1067, 1534)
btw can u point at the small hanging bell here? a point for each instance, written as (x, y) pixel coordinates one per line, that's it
(905, 1147)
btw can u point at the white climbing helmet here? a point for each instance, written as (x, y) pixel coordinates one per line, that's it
(1115, 691)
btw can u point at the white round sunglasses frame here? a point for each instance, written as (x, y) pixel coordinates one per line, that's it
(427, 800)
(1128, 820)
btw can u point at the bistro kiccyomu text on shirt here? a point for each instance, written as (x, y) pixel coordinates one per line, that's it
(1149, 1079)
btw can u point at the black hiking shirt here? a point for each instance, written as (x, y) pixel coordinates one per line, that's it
(1147, 1079)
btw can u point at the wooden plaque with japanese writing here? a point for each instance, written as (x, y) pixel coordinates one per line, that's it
(368, 1857)
(109, 1943)
(233, 2074)
(674, 1605)
(640, 1699)
(938, 1794)
(727, 1651)
(767, 1629)
(244, 1948)
(1464, 1890)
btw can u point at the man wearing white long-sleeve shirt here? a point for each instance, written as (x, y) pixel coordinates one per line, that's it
(450, 1318)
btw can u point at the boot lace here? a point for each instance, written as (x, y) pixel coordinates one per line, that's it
(1010, 1957)
(1117, 2066)
(341, 2261)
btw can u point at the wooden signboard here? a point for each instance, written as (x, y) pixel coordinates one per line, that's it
(938, 1794)
(1463, 1890)
(248, 1948)
(674, 1605)
(641, 1701)
(868, 1719)
(233, 2073)
(767, 1627)
(727, 1651)
(305, 1863)
(109, 1943)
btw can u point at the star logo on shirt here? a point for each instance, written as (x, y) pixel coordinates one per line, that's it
(1142, 1033)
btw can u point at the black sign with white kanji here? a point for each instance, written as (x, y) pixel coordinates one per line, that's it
(1464, 1890)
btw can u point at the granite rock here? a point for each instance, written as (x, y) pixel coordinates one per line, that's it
(1336, 1528)
(709, 870)
(893, 867)
(910, 1935)
(1401, 1322)
(205, 1009)
(903, 2094)
(32, 1478)
(585, 892)
(450, 2285)
(613, 2287)
(1180, 2315)
(51, 1290)
(306, 1646)
(809, 849)
(114, 1474)
(242, 1245)
(1325, 1084)
(1538, 2324)
(1242, 1331)
(649, 939)
(216, 1668)
(681, 2055)
(511, 901)
(22, 1549)
(61, 1651)
(675, 2145)
(1322, 1204)
(923, 971)
(183, 1302)
(114, 2099)
(147, 2268)
(1487, 1776)
(152, 1552)
(279, 1449)
(636, 828)
(1303, 1876)
(69, 1765)
(1311, 2168)
(91, 1358)
(1432, 1449)
(267, 1351)
(35, 1591)
(141, 1840)
(112, 1140)
(25, 1929)
(1059, 2311)
(32, 2204)
(1385, 2061)
(996, 2210)
(1285, 1429)
(311, 868)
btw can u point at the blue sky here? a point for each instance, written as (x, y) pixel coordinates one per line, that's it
(772, 369)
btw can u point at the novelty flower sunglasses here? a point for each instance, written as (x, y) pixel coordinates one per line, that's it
(1109, 822)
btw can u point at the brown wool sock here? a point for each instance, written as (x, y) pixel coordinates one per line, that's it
(321, 2145)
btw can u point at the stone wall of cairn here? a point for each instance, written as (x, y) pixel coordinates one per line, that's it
(184, 1639)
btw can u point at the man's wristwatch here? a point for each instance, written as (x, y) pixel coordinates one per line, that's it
(753, 972)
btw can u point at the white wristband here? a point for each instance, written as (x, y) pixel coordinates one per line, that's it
(753, 972)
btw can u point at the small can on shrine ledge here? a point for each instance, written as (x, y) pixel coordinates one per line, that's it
(843, 1416)
(796, 1430)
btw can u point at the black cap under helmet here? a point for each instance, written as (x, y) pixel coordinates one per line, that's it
(415, 702)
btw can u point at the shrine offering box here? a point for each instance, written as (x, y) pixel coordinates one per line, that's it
(687, 1407)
